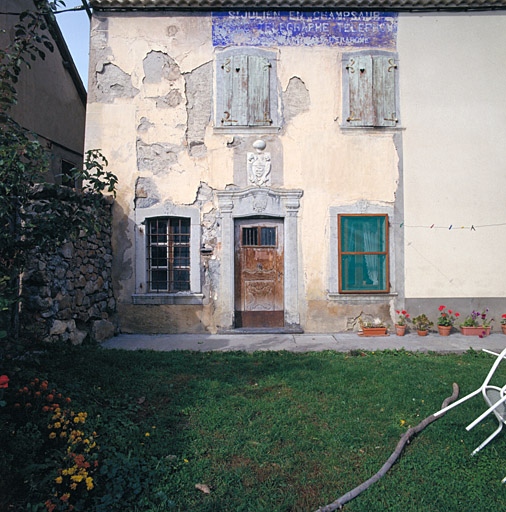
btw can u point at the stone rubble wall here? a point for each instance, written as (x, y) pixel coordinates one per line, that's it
(68, 295)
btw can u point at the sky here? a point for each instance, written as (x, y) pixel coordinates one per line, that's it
(76, 31)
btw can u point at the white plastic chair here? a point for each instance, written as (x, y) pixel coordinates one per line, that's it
(494, 396)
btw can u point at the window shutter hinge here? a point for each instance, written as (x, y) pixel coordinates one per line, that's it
(349, 67)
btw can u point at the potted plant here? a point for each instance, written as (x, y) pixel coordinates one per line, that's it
(422, 324)
(503, 324)
(375, 328)
(400, 326)
(476, 324)
(446, 320)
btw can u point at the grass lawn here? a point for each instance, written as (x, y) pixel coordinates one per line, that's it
(277, 431)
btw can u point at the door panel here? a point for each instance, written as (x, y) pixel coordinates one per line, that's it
(259, 273)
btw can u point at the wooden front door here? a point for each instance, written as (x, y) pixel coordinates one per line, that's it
(259, 273)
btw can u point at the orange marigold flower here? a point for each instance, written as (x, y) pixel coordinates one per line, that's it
(65, 497)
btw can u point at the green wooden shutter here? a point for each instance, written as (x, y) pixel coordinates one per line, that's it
(360, 74)
(258, 91)
(384, 69)
(234, 71)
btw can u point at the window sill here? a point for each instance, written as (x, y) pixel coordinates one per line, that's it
(371, 129)
(157, 299)
(246, 129)
(361, 298)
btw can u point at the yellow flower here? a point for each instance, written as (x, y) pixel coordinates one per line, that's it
(186, 460)
(57, 425)
(73, 486)
(76, 419)
(63, 434)
(64, 472)
(89, 483)
(58, 479)
(52, 435)
(147, 434)
(402, 422)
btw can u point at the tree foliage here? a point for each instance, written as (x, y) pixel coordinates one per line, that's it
(34, 217)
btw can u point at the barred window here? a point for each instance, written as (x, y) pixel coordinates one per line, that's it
(168, 254)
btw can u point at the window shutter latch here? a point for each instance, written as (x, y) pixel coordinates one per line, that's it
(393, 118)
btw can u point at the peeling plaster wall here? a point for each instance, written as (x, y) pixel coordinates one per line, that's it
(151, 111)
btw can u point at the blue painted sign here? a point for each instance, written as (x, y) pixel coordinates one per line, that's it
(356, 29)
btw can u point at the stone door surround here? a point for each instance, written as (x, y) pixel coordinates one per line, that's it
(258, 202)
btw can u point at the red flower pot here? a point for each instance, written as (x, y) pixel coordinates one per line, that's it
(475, 331)
(444, 330)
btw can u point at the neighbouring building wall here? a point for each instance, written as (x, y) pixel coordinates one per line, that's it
(51, 97)
(453, 104)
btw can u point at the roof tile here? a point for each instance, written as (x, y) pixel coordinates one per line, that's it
(300, 4)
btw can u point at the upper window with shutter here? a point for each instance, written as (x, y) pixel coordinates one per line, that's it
(370, 84)
(246, 89)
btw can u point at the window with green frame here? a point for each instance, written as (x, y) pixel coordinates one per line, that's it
(363, 253)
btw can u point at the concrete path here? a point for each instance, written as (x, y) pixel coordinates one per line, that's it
(341, 342)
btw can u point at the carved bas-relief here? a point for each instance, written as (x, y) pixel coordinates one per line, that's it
(259, 165)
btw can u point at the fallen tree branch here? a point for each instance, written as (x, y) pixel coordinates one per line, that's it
(338, 504)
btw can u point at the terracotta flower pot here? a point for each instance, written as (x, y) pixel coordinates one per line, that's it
(475, 331)
(503, 326)
(422, 333)
(444, 330)
(374, 331)
(400, 330)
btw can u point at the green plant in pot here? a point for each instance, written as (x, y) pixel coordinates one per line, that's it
(422, 324)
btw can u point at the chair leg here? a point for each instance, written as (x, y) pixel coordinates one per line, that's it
(489, 438)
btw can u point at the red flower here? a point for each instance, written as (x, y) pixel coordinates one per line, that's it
(4, 381)
(450, 311)
(457, 314)
(407, 316)
(404, 312)
(399, 312)
(441, 308)
(503, 316)
(443, 314)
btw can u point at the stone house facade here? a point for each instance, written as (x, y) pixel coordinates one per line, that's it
(301, 164)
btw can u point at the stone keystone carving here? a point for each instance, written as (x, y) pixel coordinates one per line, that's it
(259, 165)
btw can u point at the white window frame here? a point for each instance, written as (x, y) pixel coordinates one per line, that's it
(365, 208)
(142, 294)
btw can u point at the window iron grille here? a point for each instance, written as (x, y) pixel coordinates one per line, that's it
(168, 254)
